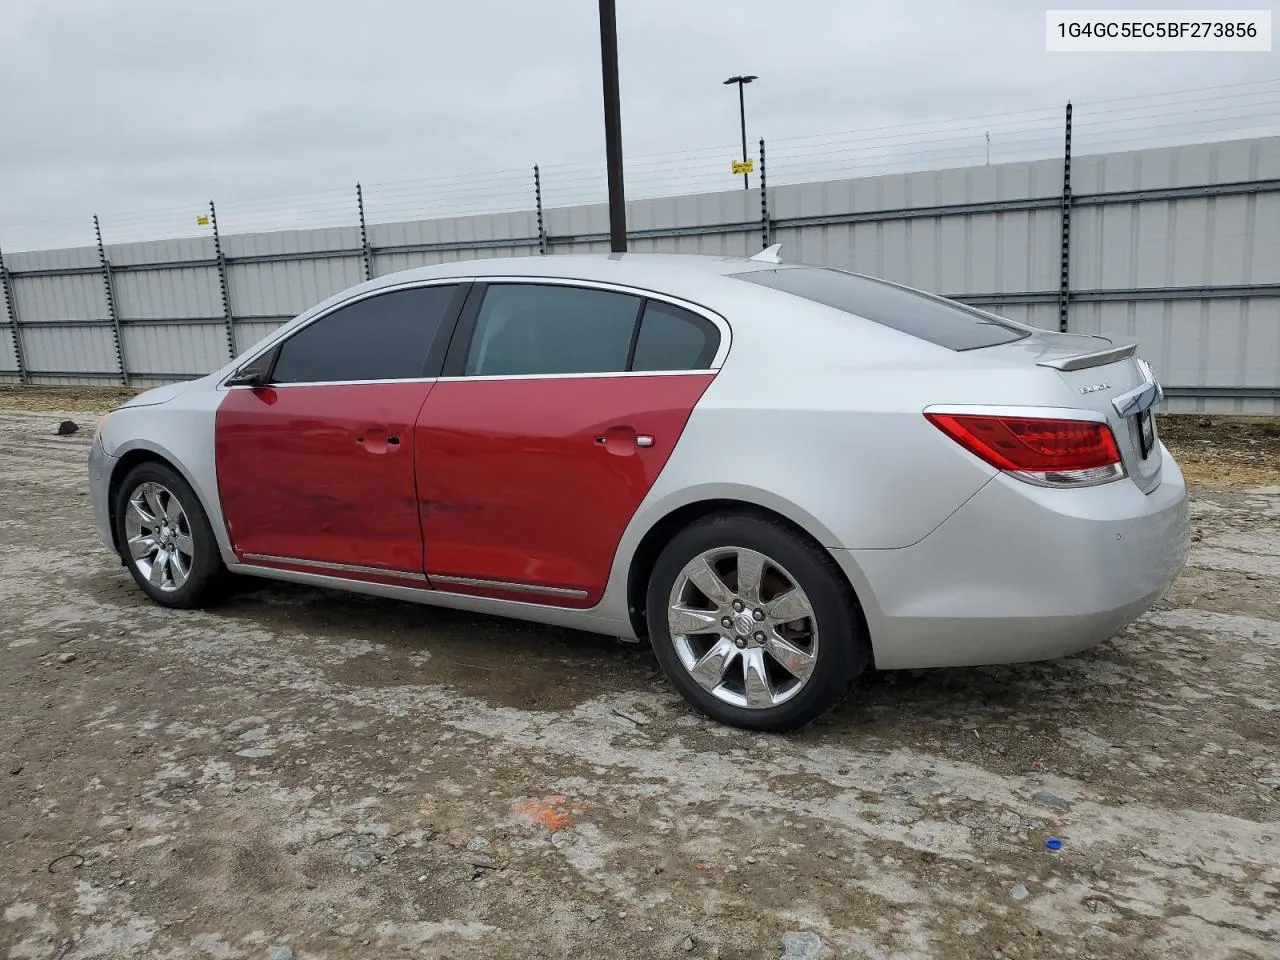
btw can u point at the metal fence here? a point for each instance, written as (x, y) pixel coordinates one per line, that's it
(1179, 246)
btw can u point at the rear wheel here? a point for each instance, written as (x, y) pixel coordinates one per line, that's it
(754, 624)
(166, 539)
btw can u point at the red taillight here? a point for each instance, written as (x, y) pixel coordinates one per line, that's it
(1061, 452)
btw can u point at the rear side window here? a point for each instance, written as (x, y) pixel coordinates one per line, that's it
(672, 338)
(384, 337)
(529, 328)
(935, 319)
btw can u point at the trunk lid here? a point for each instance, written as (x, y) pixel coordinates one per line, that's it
(1104, 375)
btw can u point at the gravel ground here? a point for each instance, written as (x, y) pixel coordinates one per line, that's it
(348, 777)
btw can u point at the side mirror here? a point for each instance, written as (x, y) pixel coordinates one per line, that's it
(255, 377)
(256, 373)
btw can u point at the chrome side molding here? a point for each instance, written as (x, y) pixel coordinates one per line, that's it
(508, 585)
(338, 567)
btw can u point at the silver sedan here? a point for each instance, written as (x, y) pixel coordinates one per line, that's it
(777, 475)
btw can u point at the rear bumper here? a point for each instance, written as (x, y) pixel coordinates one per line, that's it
(1023, 573)
(100, 467)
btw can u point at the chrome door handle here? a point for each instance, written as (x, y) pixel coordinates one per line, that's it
(623, 440)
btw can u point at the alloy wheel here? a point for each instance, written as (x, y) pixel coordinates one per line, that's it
(743, 628)
(159, 536)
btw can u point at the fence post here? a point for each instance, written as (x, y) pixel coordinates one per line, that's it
(109, 287)
(764, 203)
(365, 250)
(1064, 282)
(11, 302)
(537, 197)
(222, 283)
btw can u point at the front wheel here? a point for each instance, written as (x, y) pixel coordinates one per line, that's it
(165, 538)
(754, 624)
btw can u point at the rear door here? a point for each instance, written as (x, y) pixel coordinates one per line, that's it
(560, 406)
(316, 470)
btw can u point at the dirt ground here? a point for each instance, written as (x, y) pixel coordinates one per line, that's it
(308, 774)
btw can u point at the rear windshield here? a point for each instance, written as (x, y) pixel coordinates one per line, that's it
(944, 322)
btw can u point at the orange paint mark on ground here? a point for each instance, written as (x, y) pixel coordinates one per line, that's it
(548, 812)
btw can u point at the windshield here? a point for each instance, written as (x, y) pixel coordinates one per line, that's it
(935, 319)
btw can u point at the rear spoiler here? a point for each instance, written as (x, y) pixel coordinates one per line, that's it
(1097, 358)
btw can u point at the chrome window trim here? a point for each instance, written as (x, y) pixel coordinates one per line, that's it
(720, 323)
(509, 585)
(287, 330)
(578, 376)
(331, 383)
(343, 567)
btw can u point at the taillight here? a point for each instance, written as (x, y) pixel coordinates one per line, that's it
(1054, 453)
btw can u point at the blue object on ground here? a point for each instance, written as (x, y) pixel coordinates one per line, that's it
(1053, 843)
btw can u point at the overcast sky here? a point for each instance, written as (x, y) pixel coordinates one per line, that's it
(133, 108)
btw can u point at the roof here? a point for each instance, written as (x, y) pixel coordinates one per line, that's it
(674, 273)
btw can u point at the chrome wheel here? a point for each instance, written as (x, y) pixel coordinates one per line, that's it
(159, 536)
(743, 628)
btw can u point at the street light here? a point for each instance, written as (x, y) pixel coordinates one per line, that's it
(742, 81)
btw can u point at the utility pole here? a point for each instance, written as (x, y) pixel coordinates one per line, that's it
(613, 126)
(742, 81)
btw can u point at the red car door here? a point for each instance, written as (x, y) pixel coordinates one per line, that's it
(566, 404)
(316, 468)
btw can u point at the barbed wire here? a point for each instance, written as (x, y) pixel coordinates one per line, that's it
(1209, 113)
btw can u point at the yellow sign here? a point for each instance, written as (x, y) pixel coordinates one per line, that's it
(743, 166)
(202, 220)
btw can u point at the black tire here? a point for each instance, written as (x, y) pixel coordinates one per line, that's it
(206, 575)
(842, 649)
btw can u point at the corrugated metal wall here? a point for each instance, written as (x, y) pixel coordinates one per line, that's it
(1178, 246)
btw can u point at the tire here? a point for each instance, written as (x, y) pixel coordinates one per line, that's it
(744, 682)
(192, 578)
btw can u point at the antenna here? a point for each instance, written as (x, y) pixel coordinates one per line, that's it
(768, 255)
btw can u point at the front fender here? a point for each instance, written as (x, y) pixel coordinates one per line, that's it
(181, 433)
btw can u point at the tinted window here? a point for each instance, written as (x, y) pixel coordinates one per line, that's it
(531, 328)
(674, 339)
(380, 338)
(944, 322)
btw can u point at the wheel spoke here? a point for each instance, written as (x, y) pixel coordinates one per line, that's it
(156, 575)
(151, 495)
(140, 512)
(141, 546)
(792, 605)
(759, 689)
(705, 578)
(799, 663)
(712, 666)
(173, 510)
(178, 568)
(750, 573)
(685, 620)
(185, 544)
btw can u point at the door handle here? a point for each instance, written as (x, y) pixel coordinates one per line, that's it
(374, 442)
(623, 440)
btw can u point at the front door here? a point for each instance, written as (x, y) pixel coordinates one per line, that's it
(564, 405)
(316, 470)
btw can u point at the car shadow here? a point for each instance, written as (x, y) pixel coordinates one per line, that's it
(511, 662)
